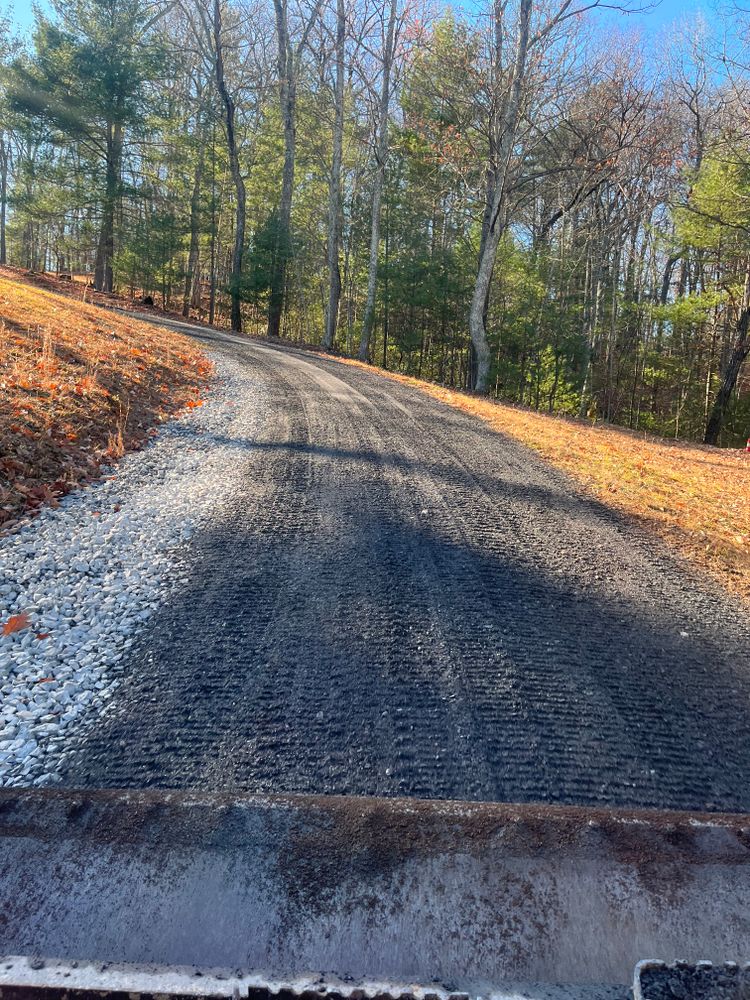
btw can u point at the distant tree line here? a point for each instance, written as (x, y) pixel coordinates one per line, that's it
(516, 201)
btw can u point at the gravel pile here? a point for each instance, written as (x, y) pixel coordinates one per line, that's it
(90, 573)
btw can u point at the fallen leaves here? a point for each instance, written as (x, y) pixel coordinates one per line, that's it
(16, 623)
(63, 387)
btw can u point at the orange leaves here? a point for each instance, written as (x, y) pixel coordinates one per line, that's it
(192, 403)
(64, 386)
(16, 623)
(86, 385)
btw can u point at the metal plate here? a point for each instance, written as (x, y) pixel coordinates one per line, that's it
(469, 896)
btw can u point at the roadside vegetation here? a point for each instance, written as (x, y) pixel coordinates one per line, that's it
(522, 200)
(526, 199)
(79, 386)
(696, 498)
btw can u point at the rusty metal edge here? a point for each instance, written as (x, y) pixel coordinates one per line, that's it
(472, 817)
(384, 830)
(447, 808)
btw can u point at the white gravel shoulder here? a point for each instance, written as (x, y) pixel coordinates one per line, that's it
(91, 572)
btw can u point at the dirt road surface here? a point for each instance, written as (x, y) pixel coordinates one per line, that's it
(407, 603)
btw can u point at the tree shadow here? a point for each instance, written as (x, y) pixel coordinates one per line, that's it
(361, 651)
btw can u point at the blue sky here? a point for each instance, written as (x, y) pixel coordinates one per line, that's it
(666, 13)
(662, 15)
(651, 22)
(22, 13)
(654, 24)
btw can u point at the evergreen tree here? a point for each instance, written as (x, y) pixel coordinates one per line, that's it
(86, 80)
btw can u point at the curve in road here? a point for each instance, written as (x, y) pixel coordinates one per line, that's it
(409, 603)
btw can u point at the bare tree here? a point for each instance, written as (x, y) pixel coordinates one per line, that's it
(737, 356)
(289, 62)
(334, 192)
(5, 163)
(191, 293)
(381, 156)
(234, 165)
(231, 45)
(530, 30)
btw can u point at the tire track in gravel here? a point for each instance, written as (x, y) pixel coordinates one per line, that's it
(401, 601)
(648, 704)
(568, 723)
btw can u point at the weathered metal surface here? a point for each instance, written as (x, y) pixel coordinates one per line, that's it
(470, 896)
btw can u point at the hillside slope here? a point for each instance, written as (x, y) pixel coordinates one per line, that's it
(80, 386)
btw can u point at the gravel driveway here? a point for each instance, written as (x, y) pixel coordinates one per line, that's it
(395, 600)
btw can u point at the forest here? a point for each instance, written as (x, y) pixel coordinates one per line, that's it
(519, 199)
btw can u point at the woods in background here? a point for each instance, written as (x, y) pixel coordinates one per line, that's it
(512, 200)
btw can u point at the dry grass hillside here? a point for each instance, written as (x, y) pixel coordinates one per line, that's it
(78, 387)
(697, 498)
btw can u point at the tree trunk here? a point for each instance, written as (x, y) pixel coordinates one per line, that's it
(729, 378)
(334, 199)
(666, 280)
(288, 104)
(234, 165)
(386, 302)
(495, 224)
(212, 291)
(3, 197)
(195, 218)
(381, 155)
(105, 251)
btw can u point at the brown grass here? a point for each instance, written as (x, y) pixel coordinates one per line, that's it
(79, 386)
(695, 497)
